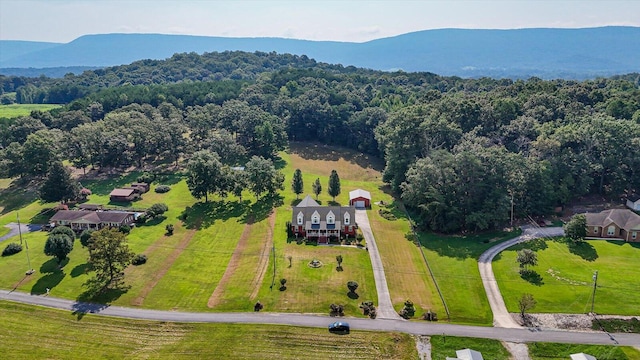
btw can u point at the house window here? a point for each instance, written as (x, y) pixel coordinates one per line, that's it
(315, 218)
(611, 230)
(300, 218)
(634, 234)
(331, 219)
(595, 229)
(346, 219)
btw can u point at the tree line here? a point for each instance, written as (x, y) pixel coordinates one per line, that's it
(461, 152)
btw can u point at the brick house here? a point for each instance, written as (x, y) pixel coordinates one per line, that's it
(322, 223)
(621, 224)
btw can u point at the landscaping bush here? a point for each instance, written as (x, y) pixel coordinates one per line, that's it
(408, 310)
(387, 214)
(125, 229)
(162, 189)
(157, 210)
(368, 309)
(430, 316)
(141, 219)
(139, 259)
(11, 249)
(336, 310)
(169, 229)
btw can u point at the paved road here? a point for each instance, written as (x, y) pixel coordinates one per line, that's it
(15, 231)
(411, 327)
(501, 317)
(385, 307)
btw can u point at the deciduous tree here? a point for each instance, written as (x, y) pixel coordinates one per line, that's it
(576, 228)
(58, 245)
(109, 255)
(59, 186)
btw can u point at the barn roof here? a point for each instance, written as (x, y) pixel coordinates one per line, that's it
(359, 193)
(122, 192)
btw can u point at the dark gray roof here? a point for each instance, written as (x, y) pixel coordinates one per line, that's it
(94, 217)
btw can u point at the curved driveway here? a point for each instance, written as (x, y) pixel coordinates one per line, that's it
(410, 327)
(385, 307)
(501, 317)
(15, 230)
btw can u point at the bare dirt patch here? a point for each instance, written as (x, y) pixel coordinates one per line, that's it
(234, 262)
(165, 267)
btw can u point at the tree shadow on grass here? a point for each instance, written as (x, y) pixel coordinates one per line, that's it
(80, 270)
(96, 298)
(201, 215)
(583, 249)
(532, 277)
(261, 209)
(352, 295)
(16, 197)
(48, 281)
(155, 221)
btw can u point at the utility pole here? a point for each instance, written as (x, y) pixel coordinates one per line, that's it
(595, 284)
(26, 245)
(511, 208)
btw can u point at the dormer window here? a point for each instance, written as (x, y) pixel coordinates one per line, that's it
(315, 218)
(331, 218)
(300, 218)
(347, 219)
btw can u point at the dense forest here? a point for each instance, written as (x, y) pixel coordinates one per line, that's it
(458, 151)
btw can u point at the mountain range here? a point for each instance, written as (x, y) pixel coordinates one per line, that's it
(518, 53)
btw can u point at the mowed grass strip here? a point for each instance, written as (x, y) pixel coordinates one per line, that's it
(406, 271)
(104, 337)
(566, 271)
(556, 351)
(454, 262)
(17, 110)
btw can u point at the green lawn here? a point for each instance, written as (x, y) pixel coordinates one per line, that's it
(446, 346)
(61, 335)
(454, 262)
(16, 110)
(565, 284)
(555, 351)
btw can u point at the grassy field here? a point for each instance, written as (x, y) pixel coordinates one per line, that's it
(102, 337)
(565, 284)
(454, 262)
(16, 110)
(555, 351)
(446, 346)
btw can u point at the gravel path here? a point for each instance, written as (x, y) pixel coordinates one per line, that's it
(501, 317)
(15, 231)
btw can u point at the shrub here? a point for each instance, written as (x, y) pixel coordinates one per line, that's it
(408, 310)
(430, 316)
(125, 229)
(169, 229)
(139, 259)
(162, 189)
(157, 210)
(64, 230)
(85, 237)
(359, 237)
(141, 219)
(146, 178)
(336, 310)
(11, 249)
(368, 309)
(387, 214)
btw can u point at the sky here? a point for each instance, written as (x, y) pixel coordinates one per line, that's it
(348, 20)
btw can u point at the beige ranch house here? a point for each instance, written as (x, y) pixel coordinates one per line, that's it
(80, 220)
(620, 224)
